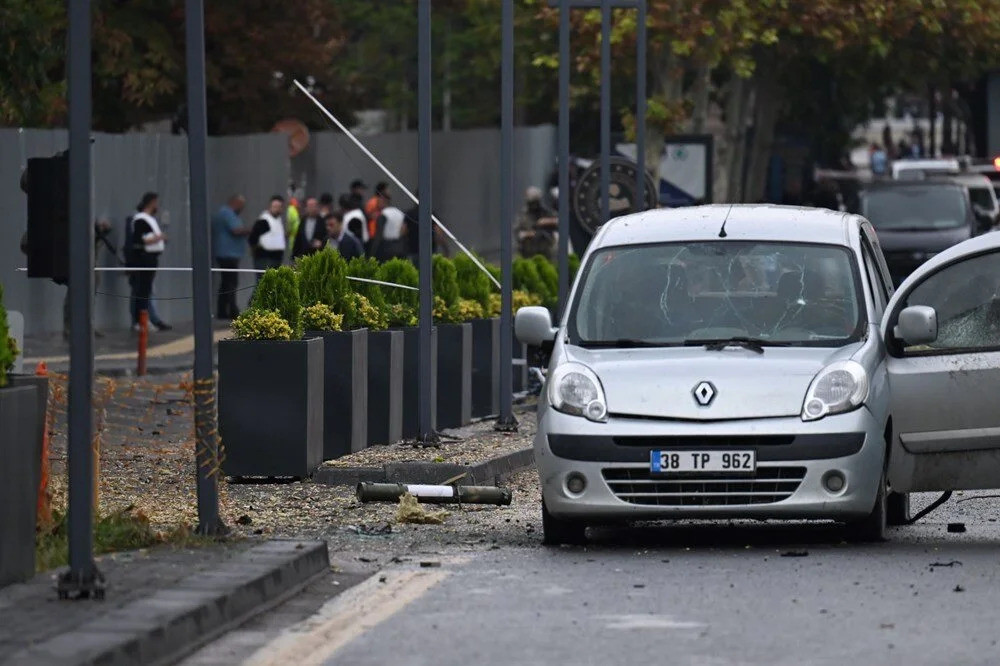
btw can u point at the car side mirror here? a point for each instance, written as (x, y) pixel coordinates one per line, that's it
(533, 326)
(917, 325)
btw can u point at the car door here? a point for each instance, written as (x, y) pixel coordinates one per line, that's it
(945, 419)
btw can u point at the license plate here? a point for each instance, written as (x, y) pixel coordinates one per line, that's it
(702, 461)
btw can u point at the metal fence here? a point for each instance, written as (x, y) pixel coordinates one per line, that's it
(466, 197)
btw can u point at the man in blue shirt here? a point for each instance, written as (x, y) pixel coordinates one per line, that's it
(228, 246)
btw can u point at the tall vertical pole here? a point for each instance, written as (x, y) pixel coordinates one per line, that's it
(506, 422)
(605, 109)
(82, 577)
(640, 106)
(425, 416)
(564, 10)
(206, 442)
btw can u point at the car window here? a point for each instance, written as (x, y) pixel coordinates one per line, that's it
(682, 293)
(915, 208)
(982, 197)
(879, 294)
(966, 297)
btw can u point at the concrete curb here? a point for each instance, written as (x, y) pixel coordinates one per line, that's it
(174, 622)
(485, 473)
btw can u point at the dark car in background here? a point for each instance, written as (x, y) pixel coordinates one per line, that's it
(917, 219)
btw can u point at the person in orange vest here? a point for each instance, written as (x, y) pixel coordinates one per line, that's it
(374, 206)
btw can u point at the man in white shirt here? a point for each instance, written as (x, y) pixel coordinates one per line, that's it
(146, 244)
(267, 238)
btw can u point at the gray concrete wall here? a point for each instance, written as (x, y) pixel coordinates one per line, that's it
(466, 173)
(125, 166)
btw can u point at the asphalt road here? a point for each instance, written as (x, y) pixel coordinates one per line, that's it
(706, 594)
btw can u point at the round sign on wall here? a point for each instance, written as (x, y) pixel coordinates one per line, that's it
(622, 193)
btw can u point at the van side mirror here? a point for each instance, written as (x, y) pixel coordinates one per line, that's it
(917, 325)
(533, 326)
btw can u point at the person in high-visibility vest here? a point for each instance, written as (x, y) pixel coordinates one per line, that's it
(292, 220)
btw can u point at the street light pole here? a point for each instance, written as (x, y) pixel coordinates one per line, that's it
(640, 107)
(564, 10)
(425, 415)
(605, 110)
(83, 578)
(205, 420)
(507, 422)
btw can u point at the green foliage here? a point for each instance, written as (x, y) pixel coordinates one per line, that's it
(496, 303)
(321, 317)
(549, 276)
(128, 529)
(278, 290)
(400, 271)
(323, 279)
(256, 324)
(8, 349)
(445, 280)
(473, 284)
(574, 266)
(527, 278)
(468, 310)
(494, 271)
(367, 268)
(366, 315)
(399, 315)
(443, 313)
(520, 299)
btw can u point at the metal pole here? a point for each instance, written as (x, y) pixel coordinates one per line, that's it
(564, 10)
(506, 422)
(640, 106)
(425, 416)
(605, 109)
(206, 441)
(82, 578)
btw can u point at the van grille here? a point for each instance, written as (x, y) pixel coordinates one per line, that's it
(765, 486)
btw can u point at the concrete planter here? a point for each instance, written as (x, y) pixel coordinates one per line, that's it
(271, 407)
(345, 391)
(485, 367)
(385, 387)
(454, 369)
(20, 458)
(411, 380)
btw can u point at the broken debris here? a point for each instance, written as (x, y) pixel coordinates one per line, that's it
(410, 511)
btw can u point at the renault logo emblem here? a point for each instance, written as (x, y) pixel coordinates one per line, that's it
(704, 393)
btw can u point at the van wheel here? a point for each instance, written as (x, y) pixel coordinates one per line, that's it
(898, 508)
(872, 528)
(559, 531)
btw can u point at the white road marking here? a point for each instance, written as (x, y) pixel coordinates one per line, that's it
(345, 617)
(649, 621)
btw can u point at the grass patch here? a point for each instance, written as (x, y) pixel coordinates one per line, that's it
(128, 529)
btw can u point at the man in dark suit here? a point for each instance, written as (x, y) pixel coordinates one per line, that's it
(311, 235)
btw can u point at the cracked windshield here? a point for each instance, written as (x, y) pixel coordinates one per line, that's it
(699, 293)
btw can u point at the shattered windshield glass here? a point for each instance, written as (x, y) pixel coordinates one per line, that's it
(915, 208)
(704, 292)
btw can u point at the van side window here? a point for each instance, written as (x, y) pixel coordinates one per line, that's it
(877, 285)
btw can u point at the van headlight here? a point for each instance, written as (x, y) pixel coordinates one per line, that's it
(575, 389)
(839, 387)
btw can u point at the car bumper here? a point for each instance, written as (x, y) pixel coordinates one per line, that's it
(793, 459)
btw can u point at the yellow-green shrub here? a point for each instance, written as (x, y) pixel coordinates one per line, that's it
(321, 317)
(256, 324)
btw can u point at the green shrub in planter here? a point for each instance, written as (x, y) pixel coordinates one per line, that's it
(468, 310)
(323, 279)
(443, 314)
(473, 284)
(494, 271)
(400, 271)
(256, 324)
(8, 348)
(365, 315)
(527, 278)
(321, 317)
(444, 279)
(549, 276)
(368, 269)
(278, 290)
(400, 316)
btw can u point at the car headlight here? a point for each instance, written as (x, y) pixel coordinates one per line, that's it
(575, 389)
(839, 387)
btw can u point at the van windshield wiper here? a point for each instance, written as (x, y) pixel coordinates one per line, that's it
(622, 343)
(753, 344)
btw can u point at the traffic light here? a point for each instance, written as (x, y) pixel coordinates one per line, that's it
(46, 182)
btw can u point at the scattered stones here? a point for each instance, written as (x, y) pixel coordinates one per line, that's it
(959, 588)
(244, 520)
(956, 528)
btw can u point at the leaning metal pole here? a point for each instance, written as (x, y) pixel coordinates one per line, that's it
(507, 422)
(425, 415)
(83, 578)
(205, 420)
(564, 10)
(605, 109)
(640, 107)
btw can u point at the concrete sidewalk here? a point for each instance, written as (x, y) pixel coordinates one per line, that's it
(160, 604)
(116, 352)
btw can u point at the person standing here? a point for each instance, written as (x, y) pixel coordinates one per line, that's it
(390, 236)
(374, 206)
(354, 219)
(147, 243)
(228, 232)
(340, 239)
(311, 235)
(357, 194)
(536, 227)
(267, 237)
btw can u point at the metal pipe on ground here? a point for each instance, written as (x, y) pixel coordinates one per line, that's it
(430, 494)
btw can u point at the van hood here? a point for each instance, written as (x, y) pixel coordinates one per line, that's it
(661, 383)
(931, 240)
